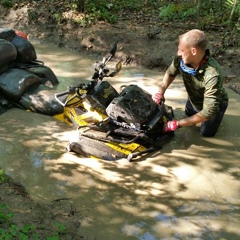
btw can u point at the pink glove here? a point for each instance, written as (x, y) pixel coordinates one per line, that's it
(158, 98)
(171, 126)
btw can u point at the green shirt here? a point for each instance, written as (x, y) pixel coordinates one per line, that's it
(205, 89)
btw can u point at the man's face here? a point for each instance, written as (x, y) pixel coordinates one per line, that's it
(185, 52)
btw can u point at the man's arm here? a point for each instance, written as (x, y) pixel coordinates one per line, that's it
(175, 124)
(196, 118)
(167, 80)
(158, 97)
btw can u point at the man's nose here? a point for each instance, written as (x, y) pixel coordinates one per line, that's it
(179, 53)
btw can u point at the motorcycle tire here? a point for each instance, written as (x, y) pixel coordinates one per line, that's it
(89, 147)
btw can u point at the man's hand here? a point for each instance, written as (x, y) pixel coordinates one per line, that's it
(171, 126)
(158, 98)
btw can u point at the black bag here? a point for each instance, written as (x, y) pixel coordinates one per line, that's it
(8, 53)
(25, 50)
(14, 82)
(133, 106)
(44, 72)
(7, 34)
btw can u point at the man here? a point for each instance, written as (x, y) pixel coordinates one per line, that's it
(207, 99)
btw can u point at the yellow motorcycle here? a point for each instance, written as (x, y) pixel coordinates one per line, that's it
(113, 125)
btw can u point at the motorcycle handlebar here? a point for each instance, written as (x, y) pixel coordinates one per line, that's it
(68, 91)
(101, 71)
(62, 93)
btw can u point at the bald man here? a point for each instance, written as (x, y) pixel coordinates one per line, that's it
(207, 99)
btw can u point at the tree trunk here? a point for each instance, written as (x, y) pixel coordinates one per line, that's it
(199, 4)
(81, 6)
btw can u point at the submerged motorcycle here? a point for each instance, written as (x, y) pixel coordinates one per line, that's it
(110, 125)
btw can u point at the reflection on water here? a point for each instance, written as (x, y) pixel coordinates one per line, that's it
(189, 190)
(37, 158)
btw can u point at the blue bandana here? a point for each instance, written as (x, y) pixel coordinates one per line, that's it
(187, 69)
(191, 70)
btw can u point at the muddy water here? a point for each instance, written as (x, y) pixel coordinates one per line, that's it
(188, 190)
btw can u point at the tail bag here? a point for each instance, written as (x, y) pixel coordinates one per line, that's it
(134, 106)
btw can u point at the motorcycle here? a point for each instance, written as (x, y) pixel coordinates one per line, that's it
(110, 125)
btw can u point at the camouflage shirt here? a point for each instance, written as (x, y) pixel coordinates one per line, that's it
(205, 89)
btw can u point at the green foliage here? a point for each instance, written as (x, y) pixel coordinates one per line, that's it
(4, 217)
(205, 13)
(202, 12)
(14, 232)
(232, 6)
(230, 3)
(101, 10)
(32, 15)
(9, 230)
(108, 10)
(177, 11)
(7, 3)
(78, 5)
(58, 17)
(133, 5)
(3, 176)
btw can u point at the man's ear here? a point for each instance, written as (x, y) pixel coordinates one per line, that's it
(194, 51)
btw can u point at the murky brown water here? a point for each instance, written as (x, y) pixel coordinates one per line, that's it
(189, 190)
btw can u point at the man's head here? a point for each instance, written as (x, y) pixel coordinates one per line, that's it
(192, 46)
